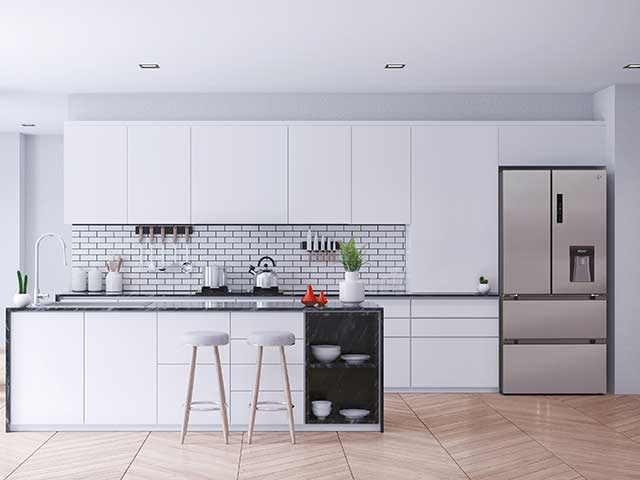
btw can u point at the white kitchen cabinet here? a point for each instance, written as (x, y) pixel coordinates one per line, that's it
(454, 327)
(244, 324)
(158, 174)
(243, 377)
(381, 179)
(453, 236)
(240, 402)
(120, 368)
(172, 388)
(455, 308)
(319, 174)
(552, 145)
(239, 174)
(46, 368)
(397, 363)
(244, 353)
(454, 363)
(95, 174)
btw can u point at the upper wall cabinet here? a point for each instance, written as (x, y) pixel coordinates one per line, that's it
(239, 174)
(553, 145)
(319, 174)
(158, 174)
(453, 237)
(95, 174)
(381, 174)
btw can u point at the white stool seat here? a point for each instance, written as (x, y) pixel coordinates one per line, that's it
(205, 338)
(271, 339)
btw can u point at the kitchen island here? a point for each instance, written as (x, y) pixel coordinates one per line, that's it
(122, 366)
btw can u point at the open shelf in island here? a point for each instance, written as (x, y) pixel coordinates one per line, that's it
(357, 386)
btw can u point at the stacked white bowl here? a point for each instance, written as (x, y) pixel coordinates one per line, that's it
(321, 408)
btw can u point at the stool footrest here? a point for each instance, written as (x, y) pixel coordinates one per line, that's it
(204, 406)
(271, 406)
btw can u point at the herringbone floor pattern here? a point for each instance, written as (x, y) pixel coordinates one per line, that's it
(428, 436)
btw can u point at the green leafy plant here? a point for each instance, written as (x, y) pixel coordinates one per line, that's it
(351, 256)
(22, 283)
(483, 280)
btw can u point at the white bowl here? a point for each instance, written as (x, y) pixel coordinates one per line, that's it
(321, 404)
(355, 359)
(326, 353)
(354, 413)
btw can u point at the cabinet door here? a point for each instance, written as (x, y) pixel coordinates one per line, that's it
(453, 238)
(553, 145)
(239, 174)
(158, 174)
(381, 184)
(464, 363)
(397, 367)
(95, 174)
(319, 174)
(46, 368)
(120, 368)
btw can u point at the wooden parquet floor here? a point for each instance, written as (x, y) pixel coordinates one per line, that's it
(428, 436)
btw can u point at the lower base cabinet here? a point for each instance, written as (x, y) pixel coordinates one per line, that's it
(172, 390)
(454, 363)
(397, 363)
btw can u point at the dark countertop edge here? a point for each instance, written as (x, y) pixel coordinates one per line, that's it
(284, 295)
(228, 307)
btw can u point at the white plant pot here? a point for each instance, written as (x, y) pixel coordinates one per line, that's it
(21, 300)
(114, 282)
(352, 288)
(483, 288)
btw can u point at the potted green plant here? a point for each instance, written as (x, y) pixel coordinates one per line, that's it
(483, 285)
(351, 288)
(22, 298)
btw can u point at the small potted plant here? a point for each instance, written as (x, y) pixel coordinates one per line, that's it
(351, 288)
(483, 285)
(22, 298)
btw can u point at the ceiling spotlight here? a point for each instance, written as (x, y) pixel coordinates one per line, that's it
(28, 124)
(395, 65)
(149, 65)
(632, 65)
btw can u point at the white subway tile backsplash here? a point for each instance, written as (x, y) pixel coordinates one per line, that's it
(237, 246)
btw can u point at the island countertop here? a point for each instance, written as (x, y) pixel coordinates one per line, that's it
(205, 305)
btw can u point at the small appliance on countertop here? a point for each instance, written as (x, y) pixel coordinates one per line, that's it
(265, 275)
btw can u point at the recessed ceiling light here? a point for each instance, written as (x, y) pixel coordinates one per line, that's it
(28, 124)
(395, 65)
(149, 65)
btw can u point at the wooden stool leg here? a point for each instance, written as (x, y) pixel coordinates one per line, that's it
(223, 400)
(187, 402)
(287, 391)
(256, 388)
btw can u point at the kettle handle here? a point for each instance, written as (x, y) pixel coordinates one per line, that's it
(273, 262)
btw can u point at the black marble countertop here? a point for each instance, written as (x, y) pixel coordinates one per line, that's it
(285, 294)
(190, 305)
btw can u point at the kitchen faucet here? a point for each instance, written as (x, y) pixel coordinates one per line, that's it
(36, 289)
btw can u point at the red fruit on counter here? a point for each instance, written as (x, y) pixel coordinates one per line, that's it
(309, 299)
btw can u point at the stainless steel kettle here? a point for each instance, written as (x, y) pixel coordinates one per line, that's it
(265, 275)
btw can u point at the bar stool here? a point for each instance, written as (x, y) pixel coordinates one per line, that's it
(272, 339)
(205, 339)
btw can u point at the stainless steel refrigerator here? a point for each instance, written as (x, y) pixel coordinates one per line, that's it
(553, 285)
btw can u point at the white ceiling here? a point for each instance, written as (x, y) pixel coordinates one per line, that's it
(500, 46)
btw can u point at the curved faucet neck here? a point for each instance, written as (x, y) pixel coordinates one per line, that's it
(36, 287)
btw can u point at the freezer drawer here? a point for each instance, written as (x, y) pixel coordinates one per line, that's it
(554, 319)
(566, 369)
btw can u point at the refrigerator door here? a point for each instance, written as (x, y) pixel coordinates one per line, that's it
(579, 232)
(567, 369)
(554, 319)
(526, 250)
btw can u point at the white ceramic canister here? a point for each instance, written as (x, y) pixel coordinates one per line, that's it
(95, 280)
(114, 282)
(79, 280)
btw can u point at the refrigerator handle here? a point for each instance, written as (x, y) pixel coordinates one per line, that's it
(559, 207)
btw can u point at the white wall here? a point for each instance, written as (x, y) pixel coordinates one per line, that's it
(44, 210)
(11, 209)
(211, 106)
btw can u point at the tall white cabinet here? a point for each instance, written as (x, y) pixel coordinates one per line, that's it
(95, 174)
(158, 184)
(239, 174)
(381, 174)
(453, 236)
(320, 174)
